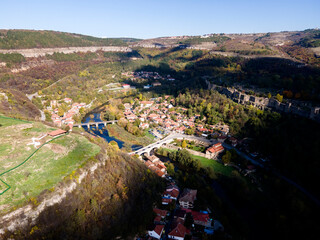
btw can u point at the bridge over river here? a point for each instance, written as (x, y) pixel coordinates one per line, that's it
(88, 124)
(170, 138)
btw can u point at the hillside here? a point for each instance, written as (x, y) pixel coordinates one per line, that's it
(296, 45)
(70, 187)
(45, 168)
(21, 39)
(15, 104)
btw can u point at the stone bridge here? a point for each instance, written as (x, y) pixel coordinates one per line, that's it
(169, 139)
(95, 124)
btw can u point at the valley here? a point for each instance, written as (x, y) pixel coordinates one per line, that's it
(231, 118)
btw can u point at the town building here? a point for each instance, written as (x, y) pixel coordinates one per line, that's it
(56, 133)
(178, 233)
(156, 231)
(187, 198)
(213, 151)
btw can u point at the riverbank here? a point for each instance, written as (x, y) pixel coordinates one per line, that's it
(128, 138)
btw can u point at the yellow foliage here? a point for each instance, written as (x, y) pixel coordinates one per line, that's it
(34, 201)
(84, 73)
(35, 228)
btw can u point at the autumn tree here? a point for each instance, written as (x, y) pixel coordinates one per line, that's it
(184, 144)
(269, 95)
(279, 97)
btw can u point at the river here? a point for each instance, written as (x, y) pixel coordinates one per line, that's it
(102, 132)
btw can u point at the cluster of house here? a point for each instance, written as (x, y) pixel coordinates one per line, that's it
(67, 118)
(175, 224)
(158, 111)
(156, 165)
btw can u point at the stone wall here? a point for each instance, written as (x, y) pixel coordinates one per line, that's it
(300, 108)
(38, 52)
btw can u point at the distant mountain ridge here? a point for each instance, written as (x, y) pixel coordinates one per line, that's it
(22, 39)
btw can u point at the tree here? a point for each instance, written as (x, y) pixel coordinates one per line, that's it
(226, 158)
(279, 97)
(170, 168)
(190, 131)
(137, 122)
(60, 112)
(114, 145)
(184, 144)
(269, 95)
(121, 107)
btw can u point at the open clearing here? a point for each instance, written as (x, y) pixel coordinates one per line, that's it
(45, 168)
(206, 162)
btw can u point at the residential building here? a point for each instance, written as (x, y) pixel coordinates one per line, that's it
(56, 133)
(187, 198)
(126, 86)
(156, 232)
(178, 233)
(202, 219)
(214, 150)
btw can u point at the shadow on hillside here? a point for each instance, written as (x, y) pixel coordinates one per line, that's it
(116, 200)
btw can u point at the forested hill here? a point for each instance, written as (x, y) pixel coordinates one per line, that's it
(19, 39)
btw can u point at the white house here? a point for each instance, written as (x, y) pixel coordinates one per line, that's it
(156, 232)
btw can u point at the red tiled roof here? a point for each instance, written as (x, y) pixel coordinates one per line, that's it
(160, 212)
(174, 193)
(216, 148)
(179, 231)
(148, 163)
(157, 219)
(201, 217)
(56, 132)
(158, 229)
(159, 173)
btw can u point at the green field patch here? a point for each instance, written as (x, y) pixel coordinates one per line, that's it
(5, 148)
(44, 169)
(206, 162)
(6, 121)
(217, 167)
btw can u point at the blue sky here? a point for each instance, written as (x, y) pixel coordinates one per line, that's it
(156, 18)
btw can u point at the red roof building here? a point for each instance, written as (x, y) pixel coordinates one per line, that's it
(202, 219)
(156, 232)
(57, 132)
(178, 232)
(160, 212)
(213, 151)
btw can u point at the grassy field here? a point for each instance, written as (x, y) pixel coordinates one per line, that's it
(48, 166)
(129, 139)
(6, 121)
(218, 167)
(206, 162)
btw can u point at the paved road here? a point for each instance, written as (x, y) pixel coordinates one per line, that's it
(43, 116)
